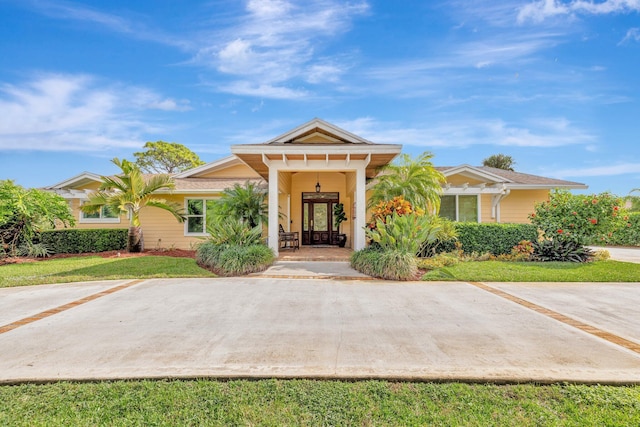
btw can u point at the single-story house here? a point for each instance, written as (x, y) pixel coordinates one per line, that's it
(307, 171)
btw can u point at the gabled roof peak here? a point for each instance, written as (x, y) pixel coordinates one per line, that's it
(326, 132)
(79, 179)
(467, 169)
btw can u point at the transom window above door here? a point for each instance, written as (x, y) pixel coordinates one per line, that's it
(320, 196)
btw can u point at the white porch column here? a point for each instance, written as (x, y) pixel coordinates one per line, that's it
(359, 238)
(273, 208)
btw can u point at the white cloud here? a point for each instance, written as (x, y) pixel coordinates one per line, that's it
(319, 73)
(248, 88)
(169, 104)
(609, 170)
(540, 10)
(277, 42)
(463, 133)
(75, 113)
(496, 13)
(72, 11)
(633, 35)
(268, 8)
(458, 65)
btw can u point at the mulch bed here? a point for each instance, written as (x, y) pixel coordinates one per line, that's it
(176, 253)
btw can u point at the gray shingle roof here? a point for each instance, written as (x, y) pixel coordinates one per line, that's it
(213, 184)
(521, 178)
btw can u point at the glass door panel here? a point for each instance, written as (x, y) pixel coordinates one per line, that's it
(320, 217)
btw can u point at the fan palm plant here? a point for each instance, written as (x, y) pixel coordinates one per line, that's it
(130, 192)
(417, 180)
(246, 203)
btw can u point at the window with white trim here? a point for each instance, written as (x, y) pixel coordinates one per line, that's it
(106, 214)
(462, 208)
(196, 218)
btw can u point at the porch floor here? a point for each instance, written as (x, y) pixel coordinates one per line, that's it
(315, 253)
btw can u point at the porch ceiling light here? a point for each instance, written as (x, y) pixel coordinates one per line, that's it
(317, 183)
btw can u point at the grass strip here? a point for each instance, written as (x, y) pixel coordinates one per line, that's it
(310, 403)
(80, 269)
(508, 271)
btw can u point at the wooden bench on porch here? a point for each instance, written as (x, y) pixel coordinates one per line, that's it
(288, 240)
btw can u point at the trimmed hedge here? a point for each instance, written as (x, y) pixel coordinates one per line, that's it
(496, 239)
(75, 241)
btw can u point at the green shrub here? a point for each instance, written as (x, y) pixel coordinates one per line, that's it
(445, 239)
(495, 239)
(385, 263)
(521, 252)
(73, 240)
(207, 253)
(36, 250)
(404, 233)
(628, 234)
(559, 249)
(587, 219)
(232, 231)
(234, 260)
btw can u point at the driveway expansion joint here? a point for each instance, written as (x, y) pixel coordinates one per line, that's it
(570, 321)
(44, 314)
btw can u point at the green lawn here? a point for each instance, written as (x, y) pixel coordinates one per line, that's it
(78, 269)
(502, 271)
(309, 403)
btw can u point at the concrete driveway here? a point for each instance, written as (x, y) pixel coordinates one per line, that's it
(621, 253)
(321, 328)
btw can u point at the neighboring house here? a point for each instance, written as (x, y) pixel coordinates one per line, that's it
(307, 170)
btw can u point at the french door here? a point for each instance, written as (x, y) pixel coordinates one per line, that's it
(317, 218)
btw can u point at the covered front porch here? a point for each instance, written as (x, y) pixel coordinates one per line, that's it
(309, 171)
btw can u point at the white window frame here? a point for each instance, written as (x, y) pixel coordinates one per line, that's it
(478, 204)
(204, 215)
(100, 220)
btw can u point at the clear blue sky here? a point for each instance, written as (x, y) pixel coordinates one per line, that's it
(555, 83)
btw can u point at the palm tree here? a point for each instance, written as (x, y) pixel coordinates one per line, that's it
(418, 181)
(246, 203)
(130, 192)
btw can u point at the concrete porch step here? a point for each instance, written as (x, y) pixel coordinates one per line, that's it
(339, 270)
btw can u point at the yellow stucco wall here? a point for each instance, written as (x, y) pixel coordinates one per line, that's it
(160, 228)
(235, 171)
(517, 206)
(485, 208)
(461, 179)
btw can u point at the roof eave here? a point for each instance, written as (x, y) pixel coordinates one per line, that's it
(476, 171)
(78, 178)
(575, 186)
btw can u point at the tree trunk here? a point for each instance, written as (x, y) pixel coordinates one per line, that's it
(135, 242)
